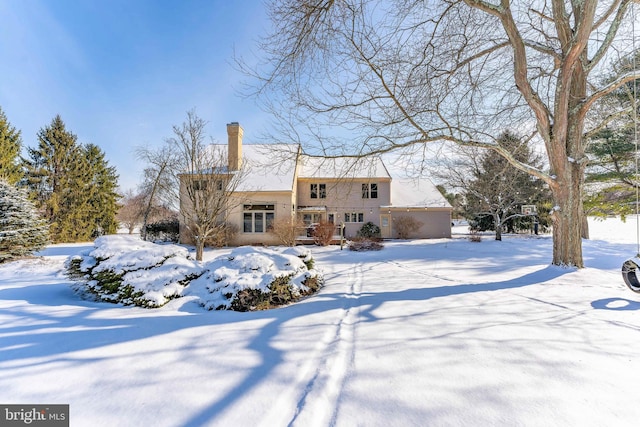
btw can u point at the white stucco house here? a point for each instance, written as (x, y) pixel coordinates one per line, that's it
(281, 181)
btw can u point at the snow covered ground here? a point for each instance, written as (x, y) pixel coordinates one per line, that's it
(430, 332)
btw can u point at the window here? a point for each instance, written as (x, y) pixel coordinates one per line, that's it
(198, 185)
(219, 185)
(318, 191)
(354, 217)
(369, 191)
(311, 218)
(331, 218)
(258, 218)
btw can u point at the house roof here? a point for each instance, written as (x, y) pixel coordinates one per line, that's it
(270, 167)
(342, 168)
(416, 193)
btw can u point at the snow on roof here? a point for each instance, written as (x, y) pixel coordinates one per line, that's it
(342, 167)
(416, 193)
(270, 167)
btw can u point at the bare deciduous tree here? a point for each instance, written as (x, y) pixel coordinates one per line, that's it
(131, 212)
(400, 75)
(206, 183)
(158, 180)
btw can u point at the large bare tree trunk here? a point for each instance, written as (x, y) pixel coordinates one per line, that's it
(567, 224)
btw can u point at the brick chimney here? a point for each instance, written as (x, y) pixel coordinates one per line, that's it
(234, 131)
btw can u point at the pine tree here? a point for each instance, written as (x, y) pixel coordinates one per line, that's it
(22, 231)
(10, 146)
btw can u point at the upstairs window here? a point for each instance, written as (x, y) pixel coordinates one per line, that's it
(369, 191)
(318, 191)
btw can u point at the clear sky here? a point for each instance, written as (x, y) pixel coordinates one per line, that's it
(121, 72)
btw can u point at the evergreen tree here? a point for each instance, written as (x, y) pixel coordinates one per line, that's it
(22, 231)
(49, 166)
(103, 196)
(495, 194)
(10, 146)
(611, 174)
(72, 184)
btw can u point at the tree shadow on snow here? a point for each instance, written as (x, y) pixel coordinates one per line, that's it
(49, 336)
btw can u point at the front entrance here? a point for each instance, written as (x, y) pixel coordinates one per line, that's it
(385, 226)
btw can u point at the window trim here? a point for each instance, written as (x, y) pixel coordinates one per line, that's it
(265, 211)
(317, 190)
(354, 217)
(370, 190)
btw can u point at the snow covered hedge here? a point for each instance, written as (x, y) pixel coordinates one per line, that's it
(122, 269)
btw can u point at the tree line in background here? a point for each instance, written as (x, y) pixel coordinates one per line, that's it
(68, 185)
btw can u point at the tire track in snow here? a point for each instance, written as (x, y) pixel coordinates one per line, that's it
(323, 377)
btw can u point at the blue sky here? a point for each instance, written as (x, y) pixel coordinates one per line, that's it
(121, 72)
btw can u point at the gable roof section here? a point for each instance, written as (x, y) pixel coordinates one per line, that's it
(416, 193)
(270, 167)
(342, 168)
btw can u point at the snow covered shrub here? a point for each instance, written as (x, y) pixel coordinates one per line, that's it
(405, 225)
(361, 245)
(369, 231)
(22, 231)
(123, 269)
(252, 278)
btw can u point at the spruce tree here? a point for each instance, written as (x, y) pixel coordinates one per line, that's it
(48, 167)
(72, 184)
(22, 231)
(10, 146)
(101, 193)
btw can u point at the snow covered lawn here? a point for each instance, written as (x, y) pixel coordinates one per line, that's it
(429, 332)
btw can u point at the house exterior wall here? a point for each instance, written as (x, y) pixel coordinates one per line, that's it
(345, 197)
(283, 203)
(436, 222)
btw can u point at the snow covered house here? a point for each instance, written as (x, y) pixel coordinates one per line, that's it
(281, 182)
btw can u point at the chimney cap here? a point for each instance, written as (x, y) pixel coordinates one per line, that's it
(234, 123)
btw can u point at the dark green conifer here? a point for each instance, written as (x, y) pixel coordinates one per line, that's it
(10, 146)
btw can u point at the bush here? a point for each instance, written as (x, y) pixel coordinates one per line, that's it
(167, 230)
(475, 236)
(323, 233)
(286, 230)
(405, 225)
(224, 235)
(258, 279)
(121, 269)
(369, 231)
(124, 270)
(361, 245)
